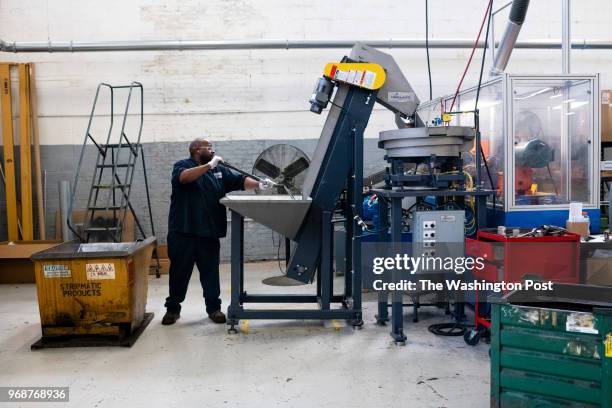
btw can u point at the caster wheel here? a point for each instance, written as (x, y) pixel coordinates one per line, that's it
(471, 337)
(357, 324)
(232, 330)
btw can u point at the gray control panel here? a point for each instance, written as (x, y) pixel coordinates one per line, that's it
(438, 233)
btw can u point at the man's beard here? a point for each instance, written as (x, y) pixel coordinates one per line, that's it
(206, 157)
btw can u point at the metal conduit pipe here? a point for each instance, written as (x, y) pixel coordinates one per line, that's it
(178, 45)
(508, 41)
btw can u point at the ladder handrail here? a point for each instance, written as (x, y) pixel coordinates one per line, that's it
(133, 156)
(102, 156)
(87, 135)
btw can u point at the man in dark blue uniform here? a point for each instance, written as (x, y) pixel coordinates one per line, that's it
(196, 222)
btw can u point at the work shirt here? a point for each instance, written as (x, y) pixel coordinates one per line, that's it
(195, 207)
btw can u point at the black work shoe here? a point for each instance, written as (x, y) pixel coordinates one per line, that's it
(170, 318)
(217, 317)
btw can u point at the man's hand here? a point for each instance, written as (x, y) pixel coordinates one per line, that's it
(266, 184)
(215, 161)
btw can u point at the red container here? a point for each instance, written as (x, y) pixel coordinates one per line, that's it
(510, 259)
(554, 258)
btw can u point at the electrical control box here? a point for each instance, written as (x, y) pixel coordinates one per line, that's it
(438, 233)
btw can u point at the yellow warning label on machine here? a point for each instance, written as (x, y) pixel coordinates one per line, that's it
(608, 345)
(364, 75)
(97, 271)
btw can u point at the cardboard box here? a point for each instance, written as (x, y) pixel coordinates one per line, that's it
(606, 116)
(580, 228)
(599, 268)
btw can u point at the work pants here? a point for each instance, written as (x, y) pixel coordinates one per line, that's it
(185, 250)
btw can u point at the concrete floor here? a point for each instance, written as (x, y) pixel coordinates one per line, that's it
(271, 363)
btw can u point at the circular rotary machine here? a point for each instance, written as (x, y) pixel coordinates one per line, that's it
(426, 157)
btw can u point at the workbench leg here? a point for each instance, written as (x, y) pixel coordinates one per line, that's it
(326, 268)
(383, 308)
(237, 271)
(357, 284)
(383, 239)
(397, 313)
(241, 290)
(318, 275)
(348, 248)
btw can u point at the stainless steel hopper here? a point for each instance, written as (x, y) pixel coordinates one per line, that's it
(280, 213)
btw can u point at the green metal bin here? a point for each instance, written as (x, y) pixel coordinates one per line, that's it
(553, 348)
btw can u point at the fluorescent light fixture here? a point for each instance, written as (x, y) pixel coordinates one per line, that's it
(531, 95)
(576, 105)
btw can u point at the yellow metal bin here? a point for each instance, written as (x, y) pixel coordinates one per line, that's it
(93, 294)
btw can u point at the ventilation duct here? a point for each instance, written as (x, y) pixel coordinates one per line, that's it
(508, 41)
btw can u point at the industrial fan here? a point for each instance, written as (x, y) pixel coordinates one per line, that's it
(284, 164)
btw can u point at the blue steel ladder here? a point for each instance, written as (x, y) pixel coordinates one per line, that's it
(113, 177)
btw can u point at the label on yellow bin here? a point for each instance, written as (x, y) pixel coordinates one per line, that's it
(56, 271)
(608, 345)
(98, 271)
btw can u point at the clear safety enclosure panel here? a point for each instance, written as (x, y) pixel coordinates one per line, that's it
(491, 120)
(551, 141)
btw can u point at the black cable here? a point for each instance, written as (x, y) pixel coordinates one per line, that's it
(451, 329)
(280, 268)
(482, 63)
(335, 104)
(484, 54)
(552, 179)
(280, 239)
(427, 47)
(487, 169)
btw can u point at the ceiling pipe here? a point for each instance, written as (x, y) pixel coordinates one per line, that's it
(178, 45)
(508, 41)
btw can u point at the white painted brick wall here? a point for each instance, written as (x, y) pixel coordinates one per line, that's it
(233, 95)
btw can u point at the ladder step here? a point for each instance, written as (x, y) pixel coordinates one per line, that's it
(96, 229)
(119, 146)
(109, 166)
(109, 186)
(110, 207)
